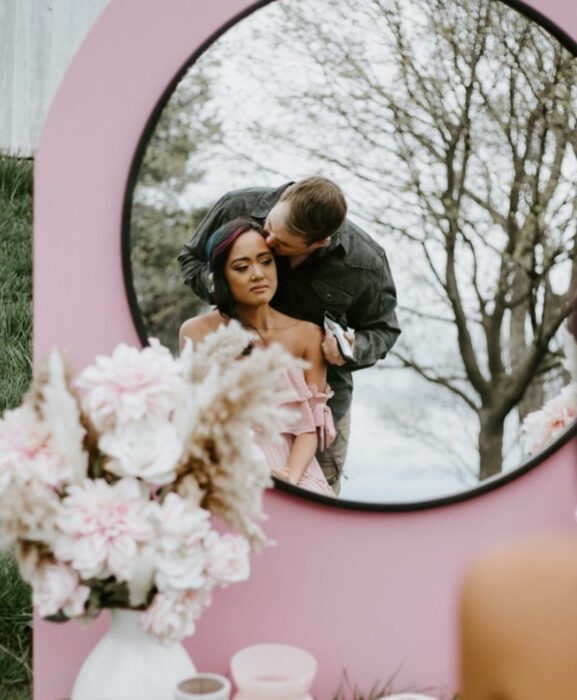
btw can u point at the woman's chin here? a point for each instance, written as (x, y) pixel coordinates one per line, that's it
(254, 301)
(261, 297)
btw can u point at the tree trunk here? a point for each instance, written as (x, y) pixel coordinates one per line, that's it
(533, 398)
(490, 444)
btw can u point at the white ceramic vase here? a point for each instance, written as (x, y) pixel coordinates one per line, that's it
(128, 664)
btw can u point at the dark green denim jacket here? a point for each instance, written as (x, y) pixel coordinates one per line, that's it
(350, 278)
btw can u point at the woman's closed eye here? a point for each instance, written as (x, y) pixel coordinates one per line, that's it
(243, 268)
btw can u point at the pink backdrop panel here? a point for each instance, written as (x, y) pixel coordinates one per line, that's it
(373, 593)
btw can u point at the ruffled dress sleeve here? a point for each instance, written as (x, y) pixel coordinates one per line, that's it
(310, 412)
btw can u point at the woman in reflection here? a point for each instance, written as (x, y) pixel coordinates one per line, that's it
(245, 281)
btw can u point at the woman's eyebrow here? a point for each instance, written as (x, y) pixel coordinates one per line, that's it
(247, 258)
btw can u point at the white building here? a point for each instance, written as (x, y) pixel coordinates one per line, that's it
(38, 39)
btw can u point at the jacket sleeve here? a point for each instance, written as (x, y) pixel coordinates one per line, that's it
(192, 258)
(374, 320)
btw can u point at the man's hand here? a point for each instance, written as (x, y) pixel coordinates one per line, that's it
(331, 350)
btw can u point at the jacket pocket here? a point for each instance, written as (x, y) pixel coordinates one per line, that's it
(333, 297)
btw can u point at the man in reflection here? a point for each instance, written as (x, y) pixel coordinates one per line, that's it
(325, 263)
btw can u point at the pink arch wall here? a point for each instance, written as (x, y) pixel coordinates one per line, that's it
(373, 593)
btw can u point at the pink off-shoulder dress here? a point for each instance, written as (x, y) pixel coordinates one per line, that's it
(310, 413)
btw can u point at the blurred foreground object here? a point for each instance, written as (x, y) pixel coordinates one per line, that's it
(519, 622)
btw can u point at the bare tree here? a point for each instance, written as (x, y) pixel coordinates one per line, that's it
(160, 223)
(453, 125)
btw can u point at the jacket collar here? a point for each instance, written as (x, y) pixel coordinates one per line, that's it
(267, 201)
(339, 239)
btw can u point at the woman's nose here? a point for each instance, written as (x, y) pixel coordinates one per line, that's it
(270, 240)
(257, 272)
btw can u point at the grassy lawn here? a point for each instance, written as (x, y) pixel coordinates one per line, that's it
(20, 693)
(15, 371)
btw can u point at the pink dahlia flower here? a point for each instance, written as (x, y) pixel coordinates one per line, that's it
(56, 588)
(28, 450)
(130, 385)
(172, 616)
(544, 425)
(104, 528)
(227, 558)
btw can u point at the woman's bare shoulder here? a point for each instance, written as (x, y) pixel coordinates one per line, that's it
(198, 327)
(311, 332)
(310, 337)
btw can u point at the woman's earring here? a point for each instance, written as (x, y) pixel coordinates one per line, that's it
(211, 283)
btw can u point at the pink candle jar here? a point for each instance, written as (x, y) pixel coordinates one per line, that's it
(273, 672)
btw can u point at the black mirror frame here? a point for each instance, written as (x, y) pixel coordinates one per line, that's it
(394, 507)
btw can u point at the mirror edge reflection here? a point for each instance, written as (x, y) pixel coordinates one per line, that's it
(482, 488)
(495, 482)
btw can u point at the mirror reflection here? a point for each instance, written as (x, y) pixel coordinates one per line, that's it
(448, 127)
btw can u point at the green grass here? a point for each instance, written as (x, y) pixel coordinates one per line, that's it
(15, 372)
(15, 279)
(16, 694)
(15, 629)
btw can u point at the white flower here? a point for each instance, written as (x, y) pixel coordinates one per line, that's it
(168, 619)
(182, 523)
(149, 449)
(104, 527)
(227, 558)
(28, 450)
(171, 616)
(181, 560)
(181, 570)
(130, 385)
(544, 425)
(56, 587)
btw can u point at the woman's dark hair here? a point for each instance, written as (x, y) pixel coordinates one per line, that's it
(217, 250)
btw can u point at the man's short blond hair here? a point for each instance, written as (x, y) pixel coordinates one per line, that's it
(317, 208)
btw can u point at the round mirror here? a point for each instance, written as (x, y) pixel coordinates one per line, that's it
(449, 125)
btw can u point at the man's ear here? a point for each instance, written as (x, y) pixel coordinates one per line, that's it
(322, 243)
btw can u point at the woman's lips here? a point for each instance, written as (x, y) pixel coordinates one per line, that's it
(259, 288)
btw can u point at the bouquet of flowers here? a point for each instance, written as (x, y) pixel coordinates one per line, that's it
(110, 483)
